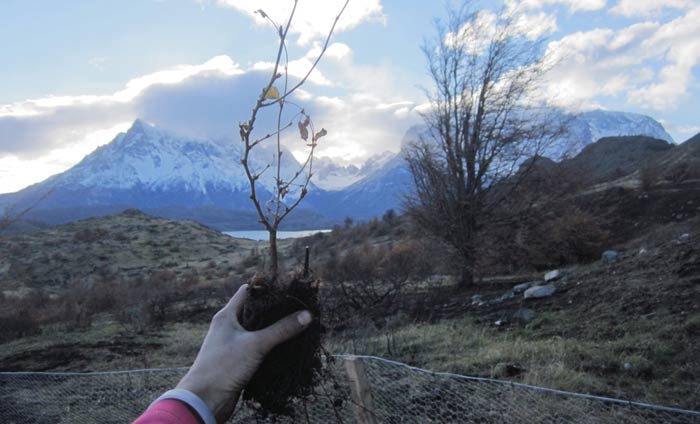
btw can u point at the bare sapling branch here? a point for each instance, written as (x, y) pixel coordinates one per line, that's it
(11, 215)
(289, 190)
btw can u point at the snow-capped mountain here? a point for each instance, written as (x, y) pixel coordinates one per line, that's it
(588, 127)
(156, 171)
(146, 158)
(332, 176)
(385, 189)
(329, 175)
(180, 177)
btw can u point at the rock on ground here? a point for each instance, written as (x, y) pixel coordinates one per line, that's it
(552, 275)
(538, 292)
(522, 287)
(610, 256)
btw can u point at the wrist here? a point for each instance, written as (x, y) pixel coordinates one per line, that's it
(221, 403)
(195, 404)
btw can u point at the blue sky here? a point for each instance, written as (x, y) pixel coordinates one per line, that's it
(75, 73)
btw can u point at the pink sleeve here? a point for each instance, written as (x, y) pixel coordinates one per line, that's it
(168, 411)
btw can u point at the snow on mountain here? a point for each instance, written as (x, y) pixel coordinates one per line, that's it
(583, 129)
(384, 189)
(147, 158)
(329, 175)
(152, 169)
(588, 127)
(381, 190)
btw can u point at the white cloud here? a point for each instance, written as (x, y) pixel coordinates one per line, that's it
(364, 109)
(680, 41)
(475, 35)
(647, 64)
(298, 69)
(573, 5)
(32, 107)
(16, 173)
(535, 26)
(647, 8)
(314, 18)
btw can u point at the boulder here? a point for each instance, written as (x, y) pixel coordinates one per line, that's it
(522, 287)
(539, 292)
(524, 315)
(552, 276)
(610, 256)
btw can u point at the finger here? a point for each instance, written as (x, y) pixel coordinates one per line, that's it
(235, 303)
(283, 330)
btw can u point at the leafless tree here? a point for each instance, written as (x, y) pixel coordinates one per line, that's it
(290, 190)
(482, 126)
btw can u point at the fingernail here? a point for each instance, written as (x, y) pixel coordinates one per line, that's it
(304, 318)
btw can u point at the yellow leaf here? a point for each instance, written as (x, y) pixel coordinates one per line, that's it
(272, 93)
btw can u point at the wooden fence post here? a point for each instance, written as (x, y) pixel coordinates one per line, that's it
(361, 393)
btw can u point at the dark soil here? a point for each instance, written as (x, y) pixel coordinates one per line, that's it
(74, 356)
(293, 368)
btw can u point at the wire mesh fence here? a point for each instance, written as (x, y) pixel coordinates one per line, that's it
(362, 389)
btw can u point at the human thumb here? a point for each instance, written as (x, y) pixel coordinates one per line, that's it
(283, 330)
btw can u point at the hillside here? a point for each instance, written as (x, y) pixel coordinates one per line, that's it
(137, 291)
(127, 245)
(611, 158)
(628, 329)
(615, 329)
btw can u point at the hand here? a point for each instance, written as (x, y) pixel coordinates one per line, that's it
(230, 355)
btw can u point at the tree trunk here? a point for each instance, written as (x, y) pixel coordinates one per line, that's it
(273, 255)
(469, 252)
(467, 278)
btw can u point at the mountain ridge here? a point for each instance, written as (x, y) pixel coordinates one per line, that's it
(201, 179)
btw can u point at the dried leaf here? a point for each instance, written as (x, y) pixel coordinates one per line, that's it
(320, 134)
(303, 132)
(273, 93)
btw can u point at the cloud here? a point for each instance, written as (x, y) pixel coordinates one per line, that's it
(648, 8)
(679, 40)
(313, 19)
(34, 127)
(220, 64)
(647, 64)
(363, 108)
(16, 173)
(476, 34)
(572, 5)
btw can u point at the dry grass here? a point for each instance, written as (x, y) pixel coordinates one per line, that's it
(638, 366)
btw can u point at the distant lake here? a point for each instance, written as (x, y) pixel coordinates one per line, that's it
(262, 235)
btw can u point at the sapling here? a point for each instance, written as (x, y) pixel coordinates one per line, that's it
(291, 370)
